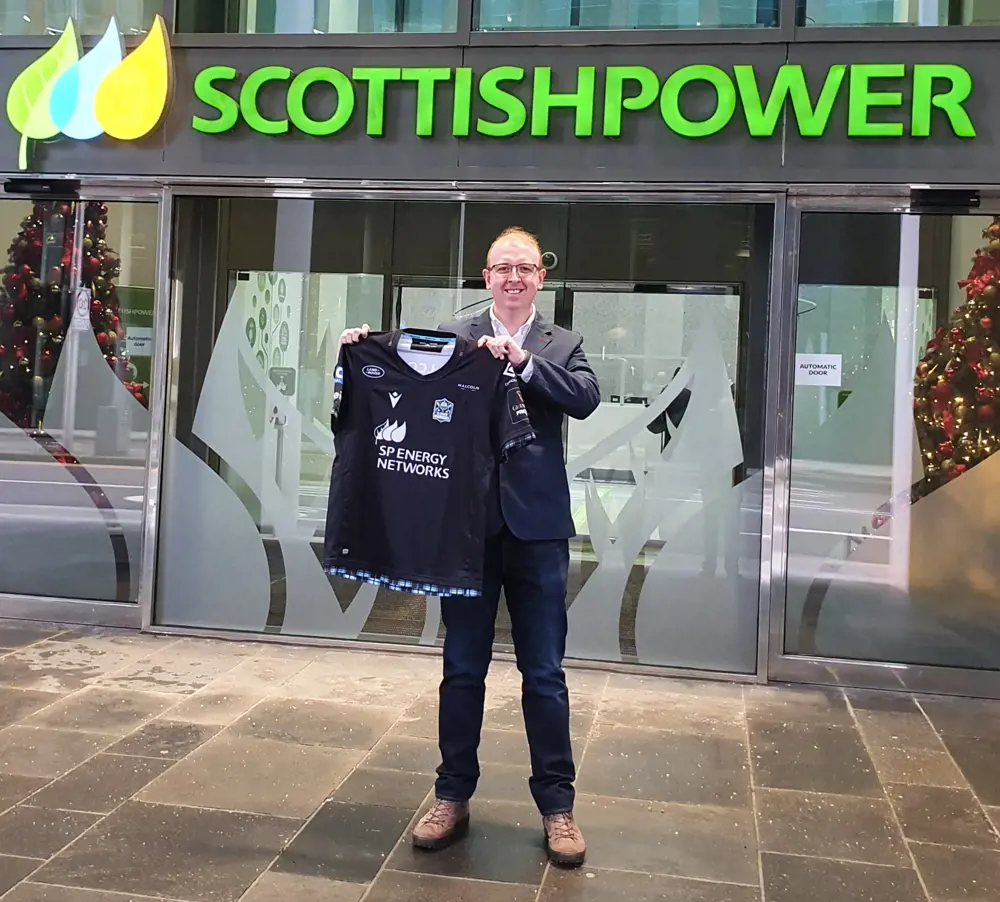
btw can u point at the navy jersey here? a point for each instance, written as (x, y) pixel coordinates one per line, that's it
(416, 455)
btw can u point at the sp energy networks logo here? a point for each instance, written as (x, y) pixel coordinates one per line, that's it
(99, 92)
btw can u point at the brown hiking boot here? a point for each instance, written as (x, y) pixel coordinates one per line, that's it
(445, 823)
(564, 842)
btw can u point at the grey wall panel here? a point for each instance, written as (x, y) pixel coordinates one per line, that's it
(941, 158)
(646, 149)
(349, 154)
(102, 156)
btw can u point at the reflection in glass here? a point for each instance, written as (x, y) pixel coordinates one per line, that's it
(888, 12)
(76, 340)
(42, 17)
(317, 16)
(894, 471)
(511, 15)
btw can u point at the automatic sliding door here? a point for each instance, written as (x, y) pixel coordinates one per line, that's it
(76, 345)
(891, 528)
(665, 567)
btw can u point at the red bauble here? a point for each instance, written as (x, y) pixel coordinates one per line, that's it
(957, 336)
(986, 322)
(55, 324)
(946, 449)
(96, 306)
(985, 393)
(102, 339)
(986, 414)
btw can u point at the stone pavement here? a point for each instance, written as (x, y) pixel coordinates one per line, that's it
(136, 768)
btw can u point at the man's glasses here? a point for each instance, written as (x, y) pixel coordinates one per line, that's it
(505, 269)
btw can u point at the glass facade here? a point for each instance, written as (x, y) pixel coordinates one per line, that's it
(894, 12)
(48, 17)
(673, 306)
(317, 16)
(892, 530)
(510, 15)
(76, 341)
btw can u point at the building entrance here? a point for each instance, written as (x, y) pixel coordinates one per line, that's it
(666, 476)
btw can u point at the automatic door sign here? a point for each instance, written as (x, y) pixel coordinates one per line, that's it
(819, 369)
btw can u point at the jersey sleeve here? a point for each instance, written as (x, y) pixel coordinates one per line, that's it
(512, 427)
(339, 407)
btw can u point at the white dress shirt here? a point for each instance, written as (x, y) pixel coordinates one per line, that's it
(500, 331)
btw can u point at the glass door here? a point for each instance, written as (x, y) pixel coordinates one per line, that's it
(891, 532)
(76, 346)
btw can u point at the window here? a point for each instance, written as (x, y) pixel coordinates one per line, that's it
(513, 15)
(42, 17)
(316, 16)
(900, 12)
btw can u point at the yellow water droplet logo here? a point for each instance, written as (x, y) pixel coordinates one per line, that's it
(133, 97)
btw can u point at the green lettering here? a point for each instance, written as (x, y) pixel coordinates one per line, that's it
(789, 82)
(492, 94)
(426, 79)
(950, 102)
(863, 98)
(377, 79)
(461, 116)
(206, 91)
(614, 94)
(248, 99)
(297, 96)
(725, 105)
(544, 100)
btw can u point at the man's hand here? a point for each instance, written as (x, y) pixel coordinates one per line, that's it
(353, 336)
(504, 347)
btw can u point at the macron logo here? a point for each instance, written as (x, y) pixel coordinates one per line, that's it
(390, 432)
(394, 397)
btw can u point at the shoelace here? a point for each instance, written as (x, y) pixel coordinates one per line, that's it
(562, 826)
(440, 815)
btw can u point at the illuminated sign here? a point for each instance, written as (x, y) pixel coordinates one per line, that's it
(100, 92)
(937, 94)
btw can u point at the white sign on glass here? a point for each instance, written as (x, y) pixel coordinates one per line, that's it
(819, 369)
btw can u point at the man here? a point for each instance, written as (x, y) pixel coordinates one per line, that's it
(527, 555)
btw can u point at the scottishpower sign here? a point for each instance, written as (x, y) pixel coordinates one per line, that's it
(68, 94)
(737, 95)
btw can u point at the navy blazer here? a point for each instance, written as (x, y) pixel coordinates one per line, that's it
(532, 495)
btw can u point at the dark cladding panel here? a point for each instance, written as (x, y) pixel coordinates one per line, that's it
(646, 150)
(941, 158)
(349, 154)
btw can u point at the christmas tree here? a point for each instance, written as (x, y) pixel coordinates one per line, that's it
(40, 286)
(957, 384)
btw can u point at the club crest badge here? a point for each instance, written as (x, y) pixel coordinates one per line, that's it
(443, 410)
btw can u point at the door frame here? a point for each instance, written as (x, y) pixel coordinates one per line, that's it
(817, 669)
(115, 614)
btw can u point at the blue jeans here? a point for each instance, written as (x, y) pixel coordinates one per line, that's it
(533, 577)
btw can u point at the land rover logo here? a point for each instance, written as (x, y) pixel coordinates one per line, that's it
(373, 372)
